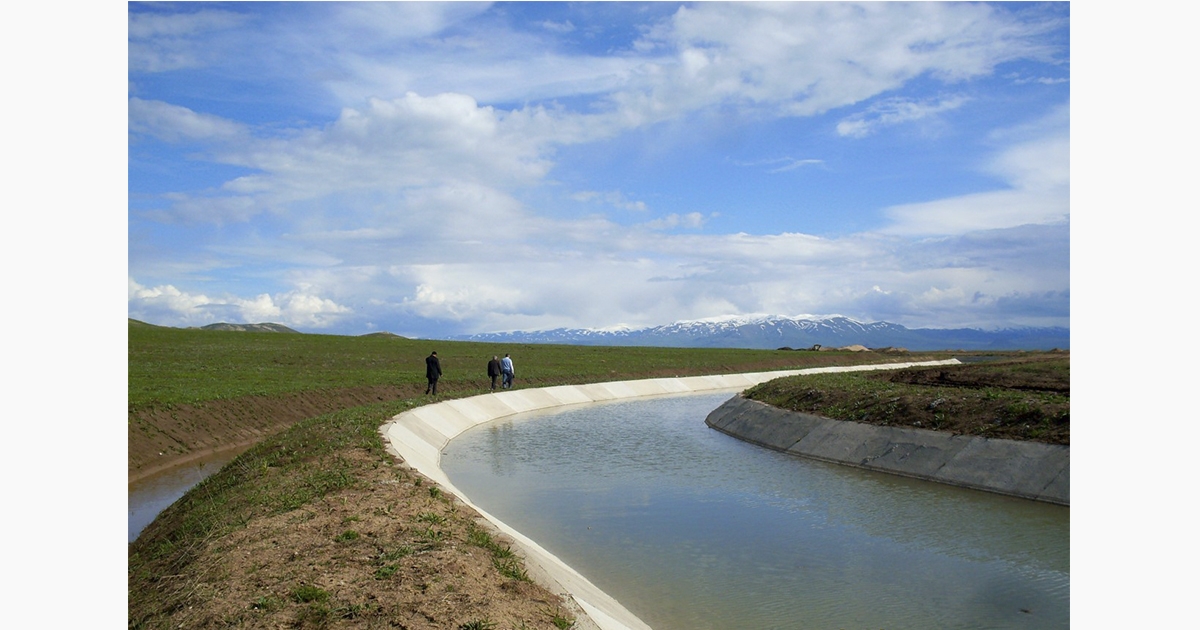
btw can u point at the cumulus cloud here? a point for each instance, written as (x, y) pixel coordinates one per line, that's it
(167, 304)
(389, 146)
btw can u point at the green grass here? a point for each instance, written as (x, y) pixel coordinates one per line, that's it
(1023, 398)
(505, 561)
(171, 366)
(307, 593)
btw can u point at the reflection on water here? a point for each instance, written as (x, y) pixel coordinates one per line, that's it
(152, 495)
(690, 528)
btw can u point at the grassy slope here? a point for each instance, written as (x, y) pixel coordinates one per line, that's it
(180, 569)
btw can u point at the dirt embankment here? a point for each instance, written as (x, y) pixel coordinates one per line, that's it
(166, 436)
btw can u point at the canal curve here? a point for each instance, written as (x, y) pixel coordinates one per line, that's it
(418, 436)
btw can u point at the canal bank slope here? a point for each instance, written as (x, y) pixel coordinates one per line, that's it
(1030, 470)
(417, 437)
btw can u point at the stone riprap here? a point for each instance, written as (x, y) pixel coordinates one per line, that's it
(1030, 470)
(418, 436)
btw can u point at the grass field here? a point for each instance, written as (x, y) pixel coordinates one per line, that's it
(171, 366)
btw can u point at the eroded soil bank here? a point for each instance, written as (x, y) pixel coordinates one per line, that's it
(162, 437)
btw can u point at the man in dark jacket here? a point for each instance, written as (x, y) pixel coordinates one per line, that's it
(494, 370)
(433, 370)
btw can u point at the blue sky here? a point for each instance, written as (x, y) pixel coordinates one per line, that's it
(448, 168)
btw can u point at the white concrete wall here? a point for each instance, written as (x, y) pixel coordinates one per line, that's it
(418, 437)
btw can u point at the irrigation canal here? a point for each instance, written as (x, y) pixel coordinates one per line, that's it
(690, 528)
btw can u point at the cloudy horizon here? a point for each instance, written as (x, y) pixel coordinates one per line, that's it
(440, 169)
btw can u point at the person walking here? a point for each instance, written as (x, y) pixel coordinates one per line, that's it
(506, 368)
(433, 371)
(494, 370)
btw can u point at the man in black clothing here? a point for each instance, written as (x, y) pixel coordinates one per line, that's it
(433, 370)
(494, 370)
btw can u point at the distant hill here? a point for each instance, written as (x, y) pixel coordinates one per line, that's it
(280, 328)
(772, 331)
(383, 333)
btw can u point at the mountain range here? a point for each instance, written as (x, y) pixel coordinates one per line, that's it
(800, 332)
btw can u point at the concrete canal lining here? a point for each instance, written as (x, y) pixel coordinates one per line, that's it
(418, 436)
(1030, 470)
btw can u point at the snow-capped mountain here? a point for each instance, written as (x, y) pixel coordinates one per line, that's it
(803, 331)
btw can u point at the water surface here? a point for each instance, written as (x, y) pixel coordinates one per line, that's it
(155, 493)
(690, 528)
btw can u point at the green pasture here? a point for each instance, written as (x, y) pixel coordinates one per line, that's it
(171, 366)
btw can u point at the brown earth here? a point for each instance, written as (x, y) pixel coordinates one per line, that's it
(165, 437)
(390, 551)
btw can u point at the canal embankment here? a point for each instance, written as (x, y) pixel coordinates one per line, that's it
(1029, 470)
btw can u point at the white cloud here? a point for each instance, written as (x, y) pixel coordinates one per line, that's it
(167, 305)
(782, 165)
(558, 27)
(691, 220)
(894, 111)
(389, 146)
(361, 23)
(789, 59)
(613, 198)
(172, 123)
(791, 165)
(164, 42)
(1036, 168)
(802, 58)
(520, 281)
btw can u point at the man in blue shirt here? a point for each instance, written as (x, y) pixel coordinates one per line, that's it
(506, 369)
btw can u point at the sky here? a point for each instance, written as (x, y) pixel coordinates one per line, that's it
(442, 169)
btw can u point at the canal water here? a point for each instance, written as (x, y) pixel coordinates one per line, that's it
(154, 494)
(689, 528)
